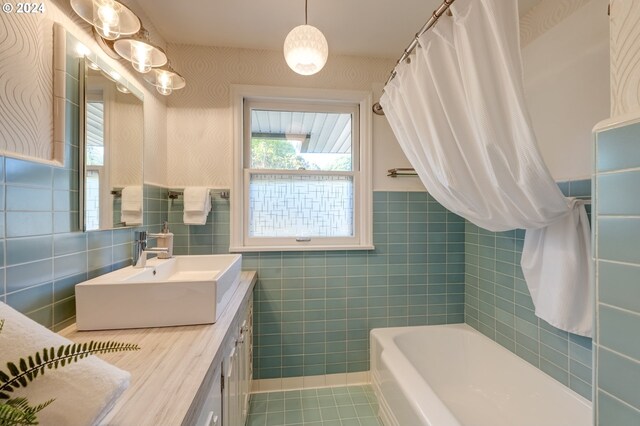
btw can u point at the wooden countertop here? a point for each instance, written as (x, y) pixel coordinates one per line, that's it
(170, 366)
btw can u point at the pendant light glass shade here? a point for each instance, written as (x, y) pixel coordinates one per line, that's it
(140, 52)
(110, 18)
(166, 80)
(306, 50)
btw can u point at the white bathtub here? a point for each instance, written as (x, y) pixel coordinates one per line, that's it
(452, 375)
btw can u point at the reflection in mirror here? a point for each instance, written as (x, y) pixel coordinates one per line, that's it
(105, 112)
(112, 151)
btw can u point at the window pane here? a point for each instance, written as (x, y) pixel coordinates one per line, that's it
(92, 200)
(293, 140)
(300, 206)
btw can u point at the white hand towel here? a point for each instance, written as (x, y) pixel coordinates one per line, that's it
(197, 205)
(84, 391)
(131, 205)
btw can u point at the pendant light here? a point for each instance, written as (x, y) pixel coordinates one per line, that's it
(165, 79)
(305, 48)
(110, 18)
(139, 50)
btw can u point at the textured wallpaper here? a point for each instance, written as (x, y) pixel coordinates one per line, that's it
(546, 15)
(26, 85)
(26, 80)
(200, 117)
(625, 56)
(126, 141)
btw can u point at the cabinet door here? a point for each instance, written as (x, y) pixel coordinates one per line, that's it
(211, 411)
(243, 369)
(232, 387)
(246, 354)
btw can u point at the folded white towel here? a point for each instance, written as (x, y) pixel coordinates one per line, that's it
(197, 205)
(132, 199)
(84, 391)
(131, 218)
(131, 205)
(195, 198)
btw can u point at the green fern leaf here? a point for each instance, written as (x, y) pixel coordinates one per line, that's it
(67, 354)
(13, 369)
(17, 411)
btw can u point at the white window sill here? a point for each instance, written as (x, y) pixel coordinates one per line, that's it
(250, 249)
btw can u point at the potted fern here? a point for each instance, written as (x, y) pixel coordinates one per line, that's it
(19, 410)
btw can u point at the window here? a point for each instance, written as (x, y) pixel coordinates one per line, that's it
(302, 178)
(94, 158)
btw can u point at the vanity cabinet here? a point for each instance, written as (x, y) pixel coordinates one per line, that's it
(227, 387)
(237, 368)
(211, 410)
(198, 375)
(231, 387)
(246, 360)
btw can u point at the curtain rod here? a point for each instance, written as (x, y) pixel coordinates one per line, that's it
(426, 27)
(444, 7)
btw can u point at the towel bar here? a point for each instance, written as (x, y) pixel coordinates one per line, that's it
(401, 171)
(224, 194)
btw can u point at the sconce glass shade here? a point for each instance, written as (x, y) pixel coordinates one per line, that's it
(140, 52)
(306, 50)
(110, 18)
(165, 79)
(123, 89)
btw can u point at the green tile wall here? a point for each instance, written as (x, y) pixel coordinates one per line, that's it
(42, 253)
(617, 255)
(498, 304)
(210, 238)
(155, 210)
(314, 310)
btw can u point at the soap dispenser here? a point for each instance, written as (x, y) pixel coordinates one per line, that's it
(165, 239)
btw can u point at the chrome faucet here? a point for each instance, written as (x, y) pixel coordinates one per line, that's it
(139, 246)
(142, 260)
(164, 249)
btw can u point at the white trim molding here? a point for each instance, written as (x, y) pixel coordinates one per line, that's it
(308, 382)
(363, 199)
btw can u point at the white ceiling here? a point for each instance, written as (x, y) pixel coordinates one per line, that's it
(380, 28)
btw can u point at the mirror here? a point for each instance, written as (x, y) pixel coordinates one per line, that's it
(111, 130)
(112, 151)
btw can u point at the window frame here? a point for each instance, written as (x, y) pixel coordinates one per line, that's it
(308, 99)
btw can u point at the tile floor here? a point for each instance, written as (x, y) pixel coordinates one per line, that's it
(338, 406)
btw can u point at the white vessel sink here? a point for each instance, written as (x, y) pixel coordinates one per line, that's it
(178, 291)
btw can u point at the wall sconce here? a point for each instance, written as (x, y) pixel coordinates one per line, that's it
(139, 50)
(165, 79)
(120, 34)
(110, 18)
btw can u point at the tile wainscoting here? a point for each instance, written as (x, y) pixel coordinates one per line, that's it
(617, 253)
(498, 304)
(314, 310)
(43, 255)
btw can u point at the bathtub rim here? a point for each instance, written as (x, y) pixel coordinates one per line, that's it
(385, 337)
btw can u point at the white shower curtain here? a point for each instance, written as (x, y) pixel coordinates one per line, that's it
(458, 111)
